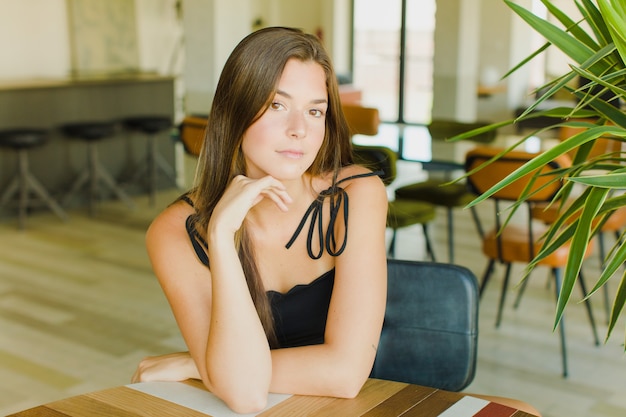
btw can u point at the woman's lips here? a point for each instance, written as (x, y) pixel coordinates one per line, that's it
(292, 154)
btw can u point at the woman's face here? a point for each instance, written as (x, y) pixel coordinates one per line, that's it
(285, 140)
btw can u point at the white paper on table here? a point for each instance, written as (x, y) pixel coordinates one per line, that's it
(197, 399)
(465, 407)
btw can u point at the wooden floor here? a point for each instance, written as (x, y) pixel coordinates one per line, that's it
(79, 307)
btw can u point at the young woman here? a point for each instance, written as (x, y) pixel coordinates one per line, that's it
(274, 264)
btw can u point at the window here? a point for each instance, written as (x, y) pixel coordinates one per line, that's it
(393, 57)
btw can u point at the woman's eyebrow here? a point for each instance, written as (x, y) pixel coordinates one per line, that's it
(315, 101)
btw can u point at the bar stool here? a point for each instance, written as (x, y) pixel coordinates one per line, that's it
(94, 173)
(21, 140)
(154, 162)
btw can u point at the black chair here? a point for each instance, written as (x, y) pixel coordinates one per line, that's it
(430, 332)
(24, 182)
(438, 191)
(154, 163)
(401, 212)
(94, 173)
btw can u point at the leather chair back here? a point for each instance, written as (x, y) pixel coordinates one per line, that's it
(540, 187)
(430, 333)
(362, 120)
(191, 132)
(377, 158)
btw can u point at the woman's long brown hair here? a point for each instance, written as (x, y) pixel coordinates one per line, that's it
(245, 89)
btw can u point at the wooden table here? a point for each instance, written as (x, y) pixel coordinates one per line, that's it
(190, 399)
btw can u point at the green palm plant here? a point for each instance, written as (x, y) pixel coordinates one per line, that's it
(597, 46)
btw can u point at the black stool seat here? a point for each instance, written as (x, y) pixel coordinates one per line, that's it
(148, 124)
(94, 173)
(24, 182)
(154, 163)
(89, 130)
(23, 138)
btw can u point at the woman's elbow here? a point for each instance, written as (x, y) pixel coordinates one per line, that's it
(246, 404)
(242, 401)
(347, 386)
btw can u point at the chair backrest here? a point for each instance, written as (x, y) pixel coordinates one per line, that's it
(442, 129)
(602, 145)
(430, 333)
(191, 133)
(364, 120)
(543, 188)
(361, 119)
(377, 158)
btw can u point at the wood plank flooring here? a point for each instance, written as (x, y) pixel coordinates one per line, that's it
(79, 307)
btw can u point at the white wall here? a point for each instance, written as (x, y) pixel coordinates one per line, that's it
(34, 39)
(212, 29)
(160, 34)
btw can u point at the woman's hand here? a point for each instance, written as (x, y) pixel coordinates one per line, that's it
(241, 195)
(171, 367)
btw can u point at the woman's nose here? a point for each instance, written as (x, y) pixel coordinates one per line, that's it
(296, 125)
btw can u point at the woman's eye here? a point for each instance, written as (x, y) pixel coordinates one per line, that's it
(276, 106)
(316, 113)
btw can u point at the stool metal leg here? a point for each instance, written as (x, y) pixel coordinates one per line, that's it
(100, 173)
(92, 175)
(23, 187)
(23, 184)
(151, 166)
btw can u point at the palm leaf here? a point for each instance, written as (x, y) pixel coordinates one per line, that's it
(571, 46)
(614, 14)
(594, 18)
(542, 159)
(618, 304)
(580, 242)
(599, 56)
(603, 181)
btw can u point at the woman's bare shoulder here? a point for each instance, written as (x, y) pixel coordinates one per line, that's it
(358, 179)
(171, 221)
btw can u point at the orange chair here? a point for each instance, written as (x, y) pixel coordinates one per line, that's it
(615, 224)
(517, 242)
(191, 133)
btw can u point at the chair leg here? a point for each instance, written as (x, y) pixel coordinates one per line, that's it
(429, 245)
(520, 292)
(479, 226)
(583, 288)
(486, 276)
(605, 287)
(391, 252)
(557, 284)
(505, 286)
(450, 235)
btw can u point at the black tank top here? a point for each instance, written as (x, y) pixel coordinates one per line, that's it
(300, 313)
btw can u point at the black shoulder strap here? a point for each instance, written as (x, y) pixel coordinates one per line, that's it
(337, 196)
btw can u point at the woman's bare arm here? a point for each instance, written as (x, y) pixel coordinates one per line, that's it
(341, 365)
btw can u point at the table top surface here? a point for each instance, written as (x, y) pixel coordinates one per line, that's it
(189, 398)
